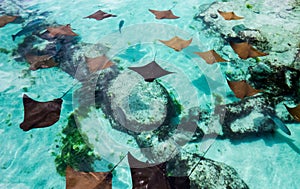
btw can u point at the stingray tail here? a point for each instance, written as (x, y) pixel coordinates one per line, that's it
(13, 37)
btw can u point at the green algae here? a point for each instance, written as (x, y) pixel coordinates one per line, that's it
(74, 150)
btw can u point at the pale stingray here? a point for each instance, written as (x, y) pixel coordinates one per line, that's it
(165, 14)
(211, 57)
(177, 43)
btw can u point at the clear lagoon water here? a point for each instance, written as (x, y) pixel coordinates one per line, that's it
(27, 160)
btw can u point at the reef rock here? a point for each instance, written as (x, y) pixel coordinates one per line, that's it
(206, 173)
(271, 26)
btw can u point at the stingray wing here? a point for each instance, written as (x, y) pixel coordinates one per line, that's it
(5, 19)
(87, 180)
(255, 53)
(145, 175)
(40, 114)
(98, 63)
(177, 43)
(242, 89)
(295, 112)
(166, 14)
(37, 62)
(100, 15)
(229, 15)
(150, 71)
(61, 30)
(245, 50)
(211, 56)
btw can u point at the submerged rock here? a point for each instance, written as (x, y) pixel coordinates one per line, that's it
(213, 174)
(138, 105)
(205, 173)
(246, 117)
(268, 25)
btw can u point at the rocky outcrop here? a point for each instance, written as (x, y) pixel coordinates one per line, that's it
(205, 173)
(272, 27)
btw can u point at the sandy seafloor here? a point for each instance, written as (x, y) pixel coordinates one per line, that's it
(25, 157)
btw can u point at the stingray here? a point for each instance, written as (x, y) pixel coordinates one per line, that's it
(211, 57)
(165, 14)
(88, 180)
(295, 112)
(44, 61)
(146, 175)
(98, 63)
(245, 50)
(177, 43)
(5, 19)
(229, 15)
(242, 89)
(61, 30)
(150, 71)
(40, 114)
(100, 15)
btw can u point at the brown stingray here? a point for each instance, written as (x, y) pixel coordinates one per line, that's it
(87, 180)
(177, 43)
(242, 89)
(100, 15)
(211, 56)
(150, 71)
(36, 62)
(229, 15)
(245, 50)
(166, 14)
(61, 30)
(295, 112)
(98, 63)
(40, 114)
(5, 19)
(146, 175)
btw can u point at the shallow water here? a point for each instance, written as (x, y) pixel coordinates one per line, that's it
(270, 161)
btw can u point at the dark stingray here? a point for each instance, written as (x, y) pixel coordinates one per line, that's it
(146, 175)
(150, 71)
(88, 180)
(100, 15)
(40, 114)
(165, 14)
(37, 62)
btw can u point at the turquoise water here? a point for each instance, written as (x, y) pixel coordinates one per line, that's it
(270, 161)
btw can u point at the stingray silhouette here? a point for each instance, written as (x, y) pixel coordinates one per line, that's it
(146, 175)
(61, 30)
(98, 63)
(211, 57)
(229, 15)
(295, 112)
(150, 71)
(5, 19)
(245, 50)
(88, 180)
(177, 43)
(242, 89)
(165, 14)
(40, 114)
(100, 15)
(37, 62)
